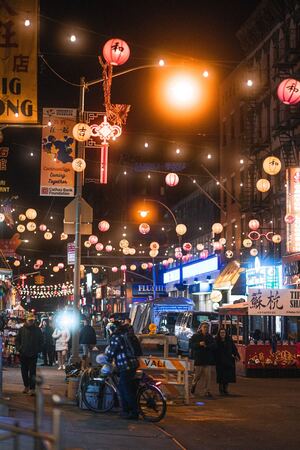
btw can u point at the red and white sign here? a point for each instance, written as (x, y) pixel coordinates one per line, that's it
(71, 253)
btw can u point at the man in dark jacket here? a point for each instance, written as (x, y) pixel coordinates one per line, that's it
(48, 346)
(202, 345)
(29, 343)
(87, 340)
(122, 352)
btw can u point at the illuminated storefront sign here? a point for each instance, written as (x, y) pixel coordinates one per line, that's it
(293, 209)
(264, 277)
(192, 270)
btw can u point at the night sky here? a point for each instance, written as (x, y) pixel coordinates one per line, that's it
(201, 34)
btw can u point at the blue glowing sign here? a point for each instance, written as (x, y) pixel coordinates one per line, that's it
(192, 270)
(264, 277)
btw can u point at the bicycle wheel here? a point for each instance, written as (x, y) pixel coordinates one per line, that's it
(98, 395)
(151, 403)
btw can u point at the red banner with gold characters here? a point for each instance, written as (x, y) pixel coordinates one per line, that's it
(18, 59)
(58, 152)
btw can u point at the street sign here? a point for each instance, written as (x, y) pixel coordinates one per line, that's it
(86, 218)
(71, 253)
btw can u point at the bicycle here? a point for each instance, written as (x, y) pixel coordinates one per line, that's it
(100, 394)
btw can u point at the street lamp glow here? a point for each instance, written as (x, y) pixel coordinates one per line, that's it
(209, 156)
(143, 213)
(249, 83)
(183, 91)
(27, 23)
(73, 38)
(205, 74)
(146, 145)
(178, 151)
(161, 63)
(241, 161)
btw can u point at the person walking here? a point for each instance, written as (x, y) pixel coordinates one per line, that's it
(226, 354)
(121, 351)
(62, 337)
(87, 340)
(48, 350)
(29, 343)
(202, 345)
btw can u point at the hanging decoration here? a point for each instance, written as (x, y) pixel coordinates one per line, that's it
(93, 239)
(172, 179)
(247, 243)
(31, 226)
(187, 246)
(289, 218)
(44, 291)
(276, 238)
(253, 252)
(116, 52)
(31, 213)
(216, 296)
(95, 270)
(254, 235)
(123, 268)
(132, 251)
(254, 224)
(63, 236)
(60, 265)
(81, 132)
(21, 228)
(114, 269)
(217, 246)
(123, 243)
(200, 247)
(144, 266)
(17, 263)
(263, 185)
(78, 165)
(222, 241)
(153, 253)
(55, 269)
(272, 165)
(178, 255)
(181, 229)
(133, 267)
(170, 260)
(229, 254)
(43, 227)
(165, 263)
(217, 228)
(204, 254)
(150, 265)
(39, 262)
(48, 235)
(126, 251)
(144, 228)
(103, 226)
(288, 91)
(108, 248)
(99, 247)
(22, 217)
(87, 244)
(154, 245)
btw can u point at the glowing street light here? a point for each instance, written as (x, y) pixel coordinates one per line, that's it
(183, 91)
(73, 38)
(143, 213)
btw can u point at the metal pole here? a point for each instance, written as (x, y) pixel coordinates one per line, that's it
(1, 366)
(79, 182)
(154, 279)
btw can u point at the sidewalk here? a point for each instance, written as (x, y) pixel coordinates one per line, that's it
(80, 429)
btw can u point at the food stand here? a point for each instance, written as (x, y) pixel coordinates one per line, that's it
(271, 350)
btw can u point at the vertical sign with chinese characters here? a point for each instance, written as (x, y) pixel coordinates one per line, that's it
(58, 152)
(4, 189)
(18, 61)
(293, 209)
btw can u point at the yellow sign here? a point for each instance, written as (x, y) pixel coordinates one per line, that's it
(18, 61)
(229, 276)
(58, 152)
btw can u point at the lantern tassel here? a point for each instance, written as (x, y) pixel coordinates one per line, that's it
(103, 164)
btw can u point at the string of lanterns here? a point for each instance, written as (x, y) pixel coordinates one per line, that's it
(40, 292)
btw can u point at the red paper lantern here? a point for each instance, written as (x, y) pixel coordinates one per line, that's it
(187, 246)
(254, 224)
(114, 269)
(99, 247)
(289, 91)
(39, 262)
(178, 255)
(289, 218)
(144, 228)
(165, 263)
(43, 227)
(123, 268)
(172, 179)
(108, 248)
(150, 265)
(61, 265)
(103, 226)
(93, 239)
(116, 52)
(217, 246)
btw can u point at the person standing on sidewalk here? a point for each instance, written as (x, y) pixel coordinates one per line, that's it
(202, 345)
(29, 343)
(226, 355)
(62, 337)
(87, 340)
(48, 353)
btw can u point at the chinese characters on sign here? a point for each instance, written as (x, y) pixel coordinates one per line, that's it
(4, 189)
(274, 302)
(18, 57)
(58, 152)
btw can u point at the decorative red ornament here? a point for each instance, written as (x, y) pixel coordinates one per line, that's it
(61, 265)
(254, 235)
(116, 52)
(39, 262)
(178, 255)
(165, 263)
(99, 247)
(43, 227)
(172, 179)
(108, 248)
(289, 91)
(150, 265)
(217, 246)
(114, 269)
(93, 239)
(36, 266)
(289, 218)
(103, 226)
(123, 268)
(254, 224)
(144, 228)
(187, 246)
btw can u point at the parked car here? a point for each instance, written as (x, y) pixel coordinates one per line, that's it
(187, 324)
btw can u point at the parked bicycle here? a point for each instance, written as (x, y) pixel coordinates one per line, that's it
(100, 393)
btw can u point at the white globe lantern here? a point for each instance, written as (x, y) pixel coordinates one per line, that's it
(48, 235)
(200, 247)
(187, 246)
(217, 228)
(133, 267)
(87, 244)
(123, 243)
(263, 185)
(132, 251)
(276, 238)
(103, 226)
(172, 179)
(82, 132)
(253, 252)
(222, 241)
(31, 226)
(181, 229)
(43, 227)
(126, 251)
(21, 228)
(154, 245)
(60, 265)
(153, 253)
(17, 263)
(144, 266)
(123, 268)
(95, 270)
(55, 269)
(22, 217)
(247, 243)
(272, 165)
(31, 213)
(63, 236)
(114, 269)
(78, 165)
(254, 224)
(229, 254)
(144, 228)
(216, 296)
(170, 260)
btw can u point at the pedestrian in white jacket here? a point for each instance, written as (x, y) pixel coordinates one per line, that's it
(62, 337)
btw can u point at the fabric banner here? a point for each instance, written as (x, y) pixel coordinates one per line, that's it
(274, 302)
(58, 152)
(18, 61)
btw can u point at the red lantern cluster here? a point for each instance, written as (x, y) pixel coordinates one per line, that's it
(289, 91)
(116, 52)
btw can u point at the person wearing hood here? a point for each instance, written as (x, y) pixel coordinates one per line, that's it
(29, 343)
